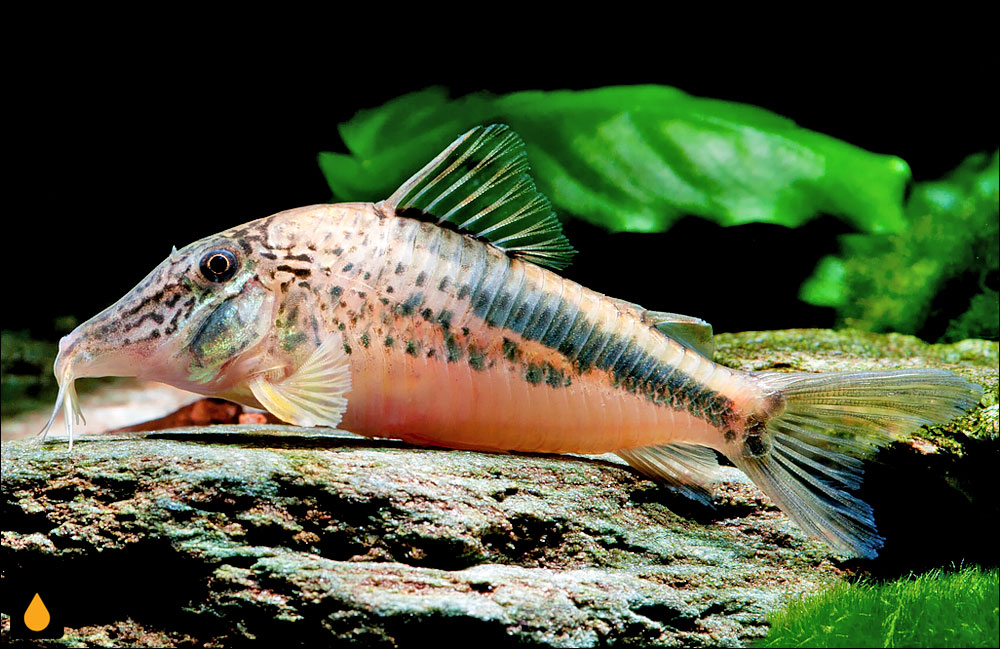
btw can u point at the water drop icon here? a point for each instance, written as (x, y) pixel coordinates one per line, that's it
(36, 617)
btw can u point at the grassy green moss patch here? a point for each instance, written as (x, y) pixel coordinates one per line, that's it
(933, 610)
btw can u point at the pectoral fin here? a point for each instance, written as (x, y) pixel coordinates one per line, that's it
(313, 395)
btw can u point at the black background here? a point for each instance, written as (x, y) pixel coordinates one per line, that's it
(118, 157)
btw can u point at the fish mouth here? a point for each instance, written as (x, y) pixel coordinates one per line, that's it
(67, 398)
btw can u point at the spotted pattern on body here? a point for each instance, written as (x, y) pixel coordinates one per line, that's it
(478, 308)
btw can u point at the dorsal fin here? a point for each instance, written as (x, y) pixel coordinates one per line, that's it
(480, 184)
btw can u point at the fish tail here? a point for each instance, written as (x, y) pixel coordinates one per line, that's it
(806, 453)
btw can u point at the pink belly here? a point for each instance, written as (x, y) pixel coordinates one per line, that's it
(431, 401)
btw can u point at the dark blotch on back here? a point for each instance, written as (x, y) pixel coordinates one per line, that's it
(298, 272)
(444, 318)
(510, 350)
(477, 358)
(410, 304)
(452, 347)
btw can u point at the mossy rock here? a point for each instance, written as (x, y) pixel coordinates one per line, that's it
(229, 535)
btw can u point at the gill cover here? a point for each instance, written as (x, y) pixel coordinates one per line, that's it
(234, 326)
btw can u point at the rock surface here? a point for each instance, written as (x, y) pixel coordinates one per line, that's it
(228, 535)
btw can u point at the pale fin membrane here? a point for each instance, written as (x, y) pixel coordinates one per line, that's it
(314, 394)
(690, 468)
(829, 422)
(480, 184)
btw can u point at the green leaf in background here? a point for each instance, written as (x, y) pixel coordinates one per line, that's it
(937, 278)
(635, 158)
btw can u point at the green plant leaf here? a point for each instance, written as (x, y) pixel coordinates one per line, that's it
(935, 279)
(635, 158)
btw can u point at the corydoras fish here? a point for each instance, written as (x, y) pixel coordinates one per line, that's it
(430, 317)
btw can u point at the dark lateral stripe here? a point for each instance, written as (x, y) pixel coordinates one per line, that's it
(507, 298)
(522, 309)
(628, 360)
(595, 343)
(576, 336)
(541, 317)
(614, 349)
(661, 374)
(472, 270)
(502, 300)
(646, 366)
(561, 324)
(485, 295)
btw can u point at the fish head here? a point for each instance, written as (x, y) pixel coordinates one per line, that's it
(194, 322)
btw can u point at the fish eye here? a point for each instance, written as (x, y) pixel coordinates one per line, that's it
(218, 265)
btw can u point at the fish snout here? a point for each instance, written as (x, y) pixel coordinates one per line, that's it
(67, 348)
(68, 342)
(84, 354)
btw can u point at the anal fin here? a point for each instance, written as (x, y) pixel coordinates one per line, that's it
(314, 394)
(691, 468)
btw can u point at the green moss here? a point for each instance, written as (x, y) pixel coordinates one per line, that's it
(932, 610)
(932, 279)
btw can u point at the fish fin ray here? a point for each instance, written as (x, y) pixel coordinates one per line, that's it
(690, 468)
(810, 458)
(314, 394)
(817, 500)
(480, 184)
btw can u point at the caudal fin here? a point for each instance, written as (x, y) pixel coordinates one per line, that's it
(810, 457)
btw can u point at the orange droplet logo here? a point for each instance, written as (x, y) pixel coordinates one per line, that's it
(36, 617)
